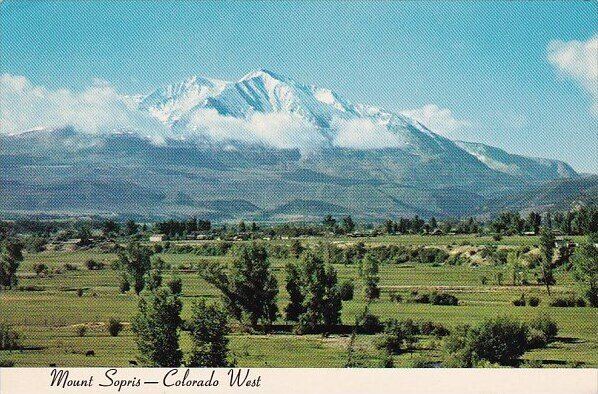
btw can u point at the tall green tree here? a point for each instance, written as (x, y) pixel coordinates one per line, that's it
(131, 228)
(156, 327)
(11, 255)
(369, 273)
(295, 307)
(209, 328)
(348, 224)
(547, 241)
(585, 268)
(135, 261)
(248, 286)
(321, 294)
(110, 228)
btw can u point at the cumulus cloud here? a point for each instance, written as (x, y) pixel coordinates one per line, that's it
(99, 108)
(278, 130)
(439, 120)
(364, 134)
(577, 60)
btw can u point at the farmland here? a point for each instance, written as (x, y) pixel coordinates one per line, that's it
(46, 310)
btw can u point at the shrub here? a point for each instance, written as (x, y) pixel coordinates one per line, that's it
(483, 279)
(346, 289)
(9, 338)
(114, 326)
(91, 264)
(536, 339)
(499, 340)
(497, 237)
(81, 331)
(370, 324)
(40, 269)
(519, 301)
(534, 301)
(431, 328)
(394, 297)
(546, 325)
(565, 302)
(6, 363)
(176, 284)
(70, 267)
(443, 299)
(531, 364)
(417, 298)
(79, 292)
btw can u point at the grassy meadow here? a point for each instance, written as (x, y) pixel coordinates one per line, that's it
(48, 310)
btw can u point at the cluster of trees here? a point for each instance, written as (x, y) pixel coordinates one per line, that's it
(179, 228)
(581, 221)
(496, 341)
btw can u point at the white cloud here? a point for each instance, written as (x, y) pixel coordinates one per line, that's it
(577, 60)
(96, 109)
(364, 134)
(279, 130)
(439, 120)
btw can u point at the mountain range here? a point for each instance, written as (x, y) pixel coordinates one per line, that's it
(267, 147)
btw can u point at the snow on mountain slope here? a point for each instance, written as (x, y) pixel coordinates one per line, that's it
(531, 167)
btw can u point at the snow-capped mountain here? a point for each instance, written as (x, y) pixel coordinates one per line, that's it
(264, 146)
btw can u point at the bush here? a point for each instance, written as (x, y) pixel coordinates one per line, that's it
(431, 328)
(79, 292)
(176, 285)
(531, 364)
(91, 264)
(499, 340)
(443, 299)
(70, 267)
(9, 338)
(519, 301)
(114, 327)
(416, 298)
(395, 297)
(346, 289)
(370, 324)
(534, 301)
(6, 363)
(81, 331)
(536, 339)
(567, 302)
(40, 269)
(546, 325)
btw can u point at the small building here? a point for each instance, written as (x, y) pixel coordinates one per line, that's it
(529, 233)
(204, 237)
(157, 238)
(436, 231)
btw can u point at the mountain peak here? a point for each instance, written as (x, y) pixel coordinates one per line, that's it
(262, 73)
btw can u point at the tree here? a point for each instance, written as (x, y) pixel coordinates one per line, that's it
(156, 328)
(433, 223)
(11, 256)
(368, 271)
(153, 278)
(295, 307)
(242, 227)
(296, 248)
(547, 241)
(248, 286)
(329, 222)
(131, 228)
(175, 284)
(114, 326)
(209, 328)
(321, 295)
(533, 222)
(585, 269)
(348, 224)
(389, 226)
(135, 260)
(514, 264)
(110, 228)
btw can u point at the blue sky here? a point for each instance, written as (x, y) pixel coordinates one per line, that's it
(487, 63)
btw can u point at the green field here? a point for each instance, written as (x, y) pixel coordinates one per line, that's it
(47, 319)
